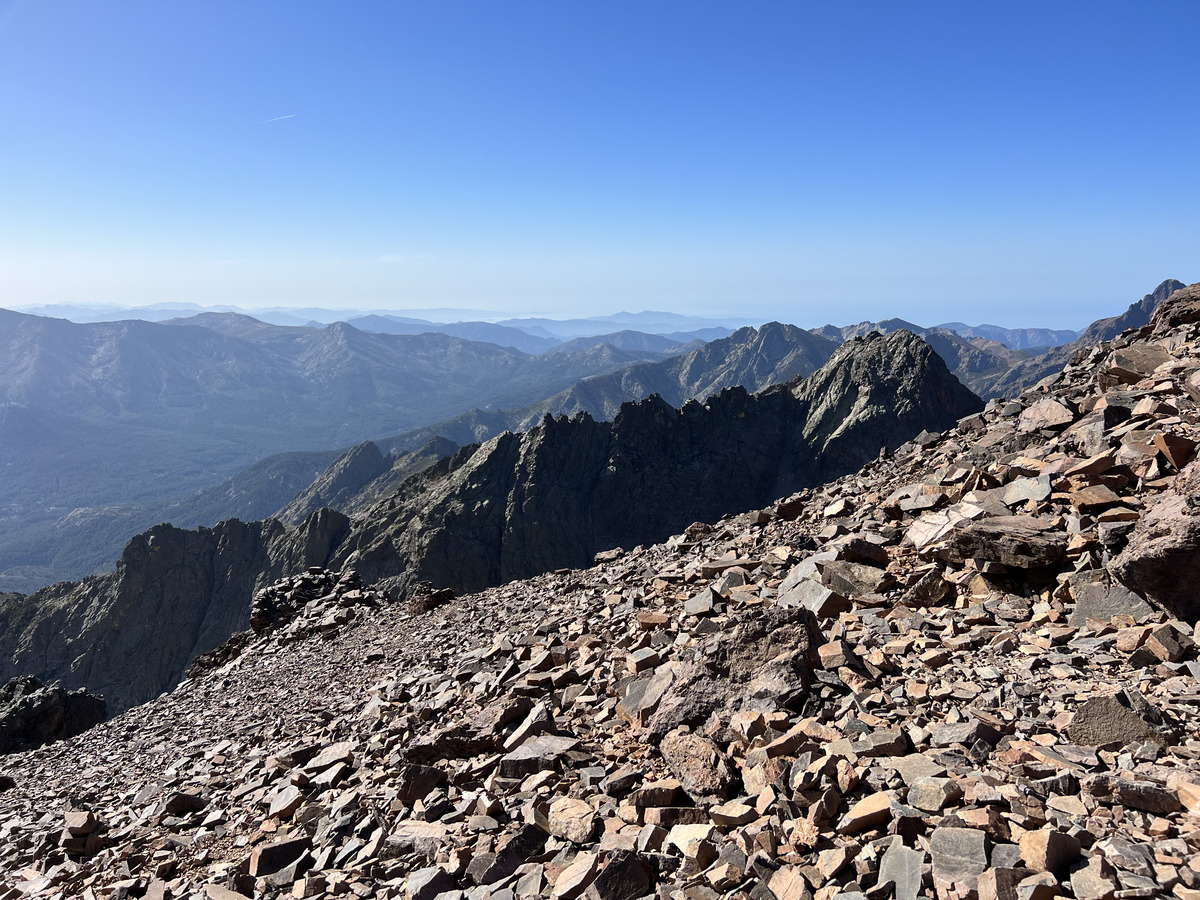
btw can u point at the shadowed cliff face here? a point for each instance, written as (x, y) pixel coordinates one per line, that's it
(518, 505)
(554, 496)
(175, 594)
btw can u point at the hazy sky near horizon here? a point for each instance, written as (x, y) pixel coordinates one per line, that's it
(1021, 163)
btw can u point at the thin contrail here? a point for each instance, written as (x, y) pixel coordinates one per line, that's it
(277, 118)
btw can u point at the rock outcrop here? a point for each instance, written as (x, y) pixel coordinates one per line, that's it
(174, 595)
(559, 493)
(33, 715)
(338, 485)
(360, 478)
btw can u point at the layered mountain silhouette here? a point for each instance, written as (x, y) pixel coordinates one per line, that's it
(1013, 338)
(992, 368)
(98, 419)
(516, 505)
(154, 416)
(753, 358)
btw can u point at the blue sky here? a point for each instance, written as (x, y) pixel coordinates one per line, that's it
(1017, 163)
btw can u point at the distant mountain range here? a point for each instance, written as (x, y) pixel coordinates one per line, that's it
(655, 322)
(753, 358)
(107, 428)
(98, 418)
(520, 504)
(531, 335)
(1013, 338)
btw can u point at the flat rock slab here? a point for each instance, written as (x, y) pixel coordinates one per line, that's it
(1023, 542)
(537, 753)
(959, 854)
(1109, 720)
(1101, 601)
(1045, 414)
(901, 867)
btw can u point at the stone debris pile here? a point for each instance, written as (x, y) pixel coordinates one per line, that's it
(965, 672)
(316, 602)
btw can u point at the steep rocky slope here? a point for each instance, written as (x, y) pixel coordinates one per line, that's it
(557, 494)
(918, 680)
(360, 478)
(174, 594)
(519, 505)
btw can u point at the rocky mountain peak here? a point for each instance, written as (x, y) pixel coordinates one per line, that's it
(569, 488)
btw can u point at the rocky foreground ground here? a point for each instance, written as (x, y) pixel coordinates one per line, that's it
(926, 679)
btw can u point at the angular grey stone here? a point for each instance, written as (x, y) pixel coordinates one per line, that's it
(817, 598)
(1022, 490)
(901, 867)
(427, 883)
(959, 854)
(806, 570)
(1022, 542)
(1143, 795)
(1110, 720)
(931, 794)
(625, 877)
(965, 733)
(1103, 601)
(537, 753)
(915, 766)
(488, 868)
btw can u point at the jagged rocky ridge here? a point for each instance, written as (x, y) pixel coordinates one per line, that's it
(555, 495)
(516, 506)
(753, 358)
(360, 478)
(961, 701)
(993, 370)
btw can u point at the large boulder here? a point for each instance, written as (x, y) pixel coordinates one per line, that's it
(1162, 558)
(762, 660)
(32, 715)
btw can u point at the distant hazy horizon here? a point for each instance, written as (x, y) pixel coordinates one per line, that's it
(1024, 164)
(89, 312)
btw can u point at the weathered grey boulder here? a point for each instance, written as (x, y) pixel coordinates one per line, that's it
(1161, 561)
(764, 661)
(1023, 542)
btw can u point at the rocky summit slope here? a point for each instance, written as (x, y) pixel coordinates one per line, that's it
(923, 679)
(517, 506)
(555, 495)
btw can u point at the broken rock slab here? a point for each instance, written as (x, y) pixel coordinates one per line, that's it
(1102, 721)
